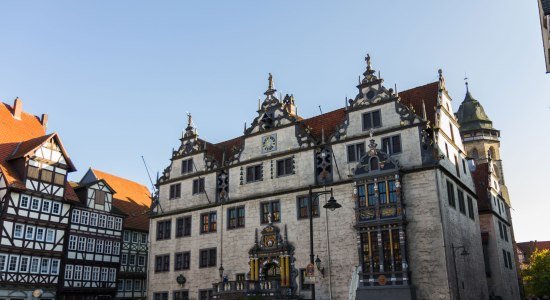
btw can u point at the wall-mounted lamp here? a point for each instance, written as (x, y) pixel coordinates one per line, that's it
(318, 264)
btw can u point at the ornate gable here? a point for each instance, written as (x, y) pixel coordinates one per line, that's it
(375, 162)
(273, 112)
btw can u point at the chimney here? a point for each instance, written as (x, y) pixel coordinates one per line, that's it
(17, 108)
(44, 120)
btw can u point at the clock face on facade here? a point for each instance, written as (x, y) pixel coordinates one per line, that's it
(269, 143)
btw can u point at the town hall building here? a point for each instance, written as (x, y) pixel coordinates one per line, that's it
(232, 219)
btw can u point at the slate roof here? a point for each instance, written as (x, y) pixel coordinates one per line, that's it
(18, 137)
(131, 198)
(472, 116)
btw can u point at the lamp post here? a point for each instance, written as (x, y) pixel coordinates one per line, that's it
(332, 205)
(463, 253)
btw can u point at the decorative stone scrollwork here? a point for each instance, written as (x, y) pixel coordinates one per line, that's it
(222, 185)
(323, 165)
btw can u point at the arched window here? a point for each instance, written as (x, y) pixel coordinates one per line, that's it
(373, 163)
(474, 154)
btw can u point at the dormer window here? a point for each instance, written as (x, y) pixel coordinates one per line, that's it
(45, 175)
(100, 197)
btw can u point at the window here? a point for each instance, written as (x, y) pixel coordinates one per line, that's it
(163, 230)
(118, 223)
(209, 222)
(99, 197)
(183, 226)
(24, 202)
(500, 230)
(50, 235)
(285, 167)
(84, 217)
(104, 274)
(198, 186)
(144, 235)
(371, 120)
(72, 242)
(13, 263)
(95, 274)
(99, 246)
(3, 259)
(46, 206)
(457, 168)
(303, 207)
(182, 261)
(68, 271)
(235, 217)
(205, 295)
(505, 258)
(35, 264)
(77, 272)
(45, 266)
(46, 175)
(270, 211)
(24, 264)
(181, 295)
(137, 285)
(187, 166)
(392, 144)
(355, 152)
(55, 267)
(86, 275)
(304, 286)
(254, 173)
(59, 179)
(76, 216)
(241, 277)
(102, 220)
(505, 229)
(29, 232)
(90, 245)
(463, 165)
(461, 204)
(35, 204)
(81, 243)
(160, 296)
(207, 258)
(509, 260)
(141, 260)
(108, 247)
(112, 274)
(128, 285)
(56, 208)
(40, 233)
(447, 149)
(135, 237)
(93, 219)
(110, 222)
(124, 259)
(451, 194)
(132, 260)
(126, 236)
(120, 285)
(18, 231)
(162, 263)
(116, 248)
(175, 191)
(470, 207)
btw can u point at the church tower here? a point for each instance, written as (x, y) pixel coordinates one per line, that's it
(481, 140)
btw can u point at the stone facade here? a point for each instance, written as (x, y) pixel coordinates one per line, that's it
(404, 238)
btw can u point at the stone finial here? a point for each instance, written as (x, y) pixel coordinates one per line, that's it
(441, 79)
(270, 79)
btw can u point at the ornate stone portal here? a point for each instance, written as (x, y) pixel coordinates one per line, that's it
(271, 274)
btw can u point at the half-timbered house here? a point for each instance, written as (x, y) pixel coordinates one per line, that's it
(134, 200)
(35, 205)
(93, 242)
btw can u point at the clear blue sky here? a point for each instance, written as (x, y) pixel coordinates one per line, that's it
(117, 77)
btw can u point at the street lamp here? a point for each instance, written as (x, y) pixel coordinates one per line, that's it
(221, 269)
(332, 205)
(463, 253)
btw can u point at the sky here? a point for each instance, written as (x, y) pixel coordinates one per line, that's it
(117, 77)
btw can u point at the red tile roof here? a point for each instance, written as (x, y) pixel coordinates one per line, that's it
(326, 123)
(427, 93)
(529, 247)
(130, 197)
(16, 137)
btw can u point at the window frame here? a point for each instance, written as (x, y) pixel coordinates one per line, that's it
(198, 186)
(239, 221)
(270, 205)
(256, 174)
(212, 226)
(284, 172)
(174, 191)
(388, 142)
(355, 151)
(211, 257)
(188, 166)
(372, 122)
(299, 207)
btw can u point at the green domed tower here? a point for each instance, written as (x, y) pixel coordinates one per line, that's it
(481, 140)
